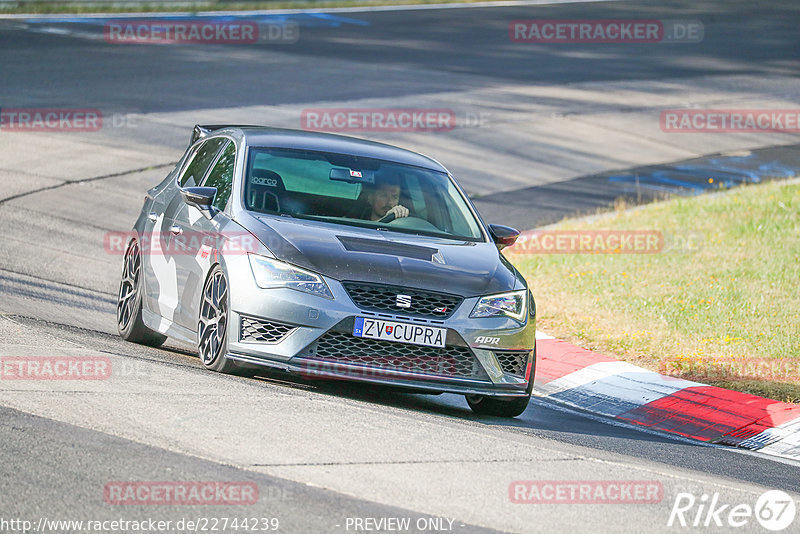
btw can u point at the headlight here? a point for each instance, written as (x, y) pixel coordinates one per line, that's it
(271, 273)
(513, 304)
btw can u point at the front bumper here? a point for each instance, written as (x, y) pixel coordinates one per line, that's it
(312, 336)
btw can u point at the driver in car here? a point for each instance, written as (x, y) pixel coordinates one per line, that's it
(383, 199)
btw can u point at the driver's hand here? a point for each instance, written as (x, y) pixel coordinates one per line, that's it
(399, 211)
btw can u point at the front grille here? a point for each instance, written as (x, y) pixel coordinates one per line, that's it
(513, 361)
(450, 361)
(379, 297)
(263, 331)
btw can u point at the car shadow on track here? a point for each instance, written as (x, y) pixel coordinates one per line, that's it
(541, 416)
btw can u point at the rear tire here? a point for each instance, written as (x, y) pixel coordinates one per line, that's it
(129, 302)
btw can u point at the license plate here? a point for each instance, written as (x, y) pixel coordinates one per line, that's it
(429, 336)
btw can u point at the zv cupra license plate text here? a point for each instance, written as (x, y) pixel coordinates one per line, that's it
(400, 332)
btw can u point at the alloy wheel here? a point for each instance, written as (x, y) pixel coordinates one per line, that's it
(128, 286)
(213, 318)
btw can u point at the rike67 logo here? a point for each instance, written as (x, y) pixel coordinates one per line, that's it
(774, 510)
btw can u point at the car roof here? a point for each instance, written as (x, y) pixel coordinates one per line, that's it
(262, 136)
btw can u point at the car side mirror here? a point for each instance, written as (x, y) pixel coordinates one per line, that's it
(503, 236)
(201, 198)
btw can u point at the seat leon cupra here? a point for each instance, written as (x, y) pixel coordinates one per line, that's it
(333, 258)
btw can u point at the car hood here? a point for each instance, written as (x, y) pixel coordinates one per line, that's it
(341, 252)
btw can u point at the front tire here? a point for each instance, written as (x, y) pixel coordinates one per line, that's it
(504, 407)
(129, 302)
(212, 326)
(499, 407)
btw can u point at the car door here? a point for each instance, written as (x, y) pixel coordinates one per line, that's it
(206, 239)
(155, 203)
(177, 240)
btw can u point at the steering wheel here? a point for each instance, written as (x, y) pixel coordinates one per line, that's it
(411, 222)
(389, 217)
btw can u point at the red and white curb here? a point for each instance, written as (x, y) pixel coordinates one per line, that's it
(590, 381)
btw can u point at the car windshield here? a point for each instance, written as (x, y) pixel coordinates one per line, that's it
(357, 191)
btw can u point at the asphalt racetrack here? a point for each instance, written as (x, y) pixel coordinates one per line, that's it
(542, 131)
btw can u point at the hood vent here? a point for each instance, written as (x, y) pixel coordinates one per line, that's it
(391, 248)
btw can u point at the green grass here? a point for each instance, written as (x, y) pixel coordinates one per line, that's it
(712, 313)
(47, 7)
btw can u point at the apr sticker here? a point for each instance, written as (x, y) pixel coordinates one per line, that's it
(355, 174)
(487, 340)
(206, 253)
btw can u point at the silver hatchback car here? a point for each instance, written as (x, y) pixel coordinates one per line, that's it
(334, 258)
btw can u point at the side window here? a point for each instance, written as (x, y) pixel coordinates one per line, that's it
(221, 176)
(202, 159)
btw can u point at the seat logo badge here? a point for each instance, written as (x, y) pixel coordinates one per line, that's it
(403, 301)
